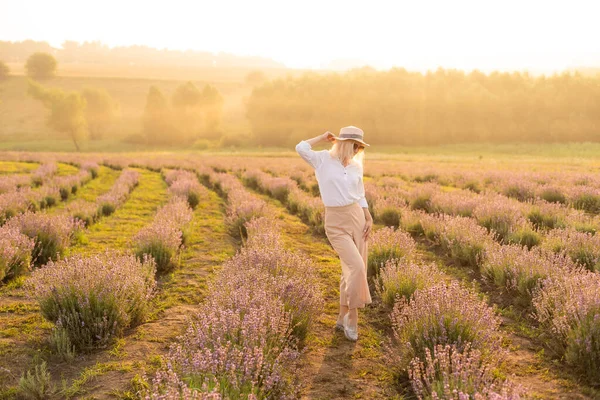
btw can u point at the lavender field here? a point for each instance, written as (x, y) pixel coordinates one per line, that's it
(191, 276)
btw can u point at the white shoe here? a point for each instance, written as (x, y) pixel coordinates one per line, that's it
(350, 333)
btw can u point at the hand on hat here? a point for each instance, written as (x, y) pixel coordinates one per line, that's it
(328, 136)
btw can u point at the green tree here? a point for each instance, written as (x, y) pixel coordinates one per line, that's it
(67, 111)
(157, 125)
(100, 112)
(255, 78)
(186, 102)
(41, 66)
(4, 71)
(211, 103)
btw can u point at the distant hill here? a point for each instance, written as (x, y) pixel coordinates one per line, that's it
(99, 53)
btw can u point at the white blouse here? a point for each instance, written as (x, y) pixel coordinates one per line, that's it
(339, 185)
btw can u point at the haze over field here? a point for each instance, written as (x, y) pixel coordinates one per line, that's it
(268, 73)
(536, 35)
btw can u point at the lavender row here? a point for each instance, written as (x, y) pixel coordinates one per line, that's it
(119, 192)
(163, 238)
(185, 184)
(551, 280)
(53, 190)
(89, 212)
(243, 343)
(508, 217)
(32, 239)
(555, 186)
(545, 224)
(444, 337)
(10, 183)
(306, 206)
(241, 205)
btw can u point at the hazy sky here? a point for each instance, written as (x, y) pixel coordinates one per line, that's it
(417, 34)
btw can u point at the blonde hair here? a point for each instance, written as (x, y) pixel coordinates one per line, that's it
(343, 150)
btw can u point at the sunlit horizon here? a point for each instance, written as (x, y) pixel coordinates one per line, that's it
(533, 35)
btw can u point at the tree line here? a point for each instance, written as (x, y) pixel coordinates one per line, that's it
(191, 114)
(437, 107)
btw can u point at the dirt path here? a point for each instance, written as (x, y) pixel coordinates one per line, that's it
(333, 367)
(112, 374)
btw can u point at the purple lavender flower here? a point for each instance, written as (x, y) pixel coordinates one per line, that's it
(439, 315)
(386, 244)
(582, 247)
(520, 271)
(51, 234)
(94, 298)
(568, 307)
(403, 277)
(450, 373)
(15, 252)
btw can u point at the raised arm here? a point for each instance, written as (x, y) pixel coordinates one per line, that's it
(304, 148)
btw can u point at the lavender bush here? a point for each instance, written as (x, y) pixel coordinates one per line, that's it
(51, 234)
(10, 183)
(519, 187)
(420, 197)
(161, 243)
(241, 208)
(386, 208)
(47, 196)
(185, 184)
(458, 202)
(439, 315)
(310, 209)
(463, 239)
(178, 213)
(240, 344)
(453, 374)
(388, 243)
(43, 172)
(545, 215)
(552, 194)
(163, 238)
(92, 167)
(15, 252)
(583, 248)
(519, 271)
(524, 236)
(568, 307)
(85, 211)
(243, 343)
(167, 385)
(403, 278)
(296, 281)
(585, 198)
(13, 203)
(94, 298)
(499, 215)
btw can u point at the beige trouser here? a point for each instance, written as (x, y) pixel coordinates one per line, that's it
(344, 228)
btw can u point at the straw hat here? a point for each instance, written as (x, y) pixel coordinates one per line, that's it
(351, 133)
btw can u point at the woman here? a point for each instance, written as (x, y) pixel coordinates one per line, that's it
(348, 222)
